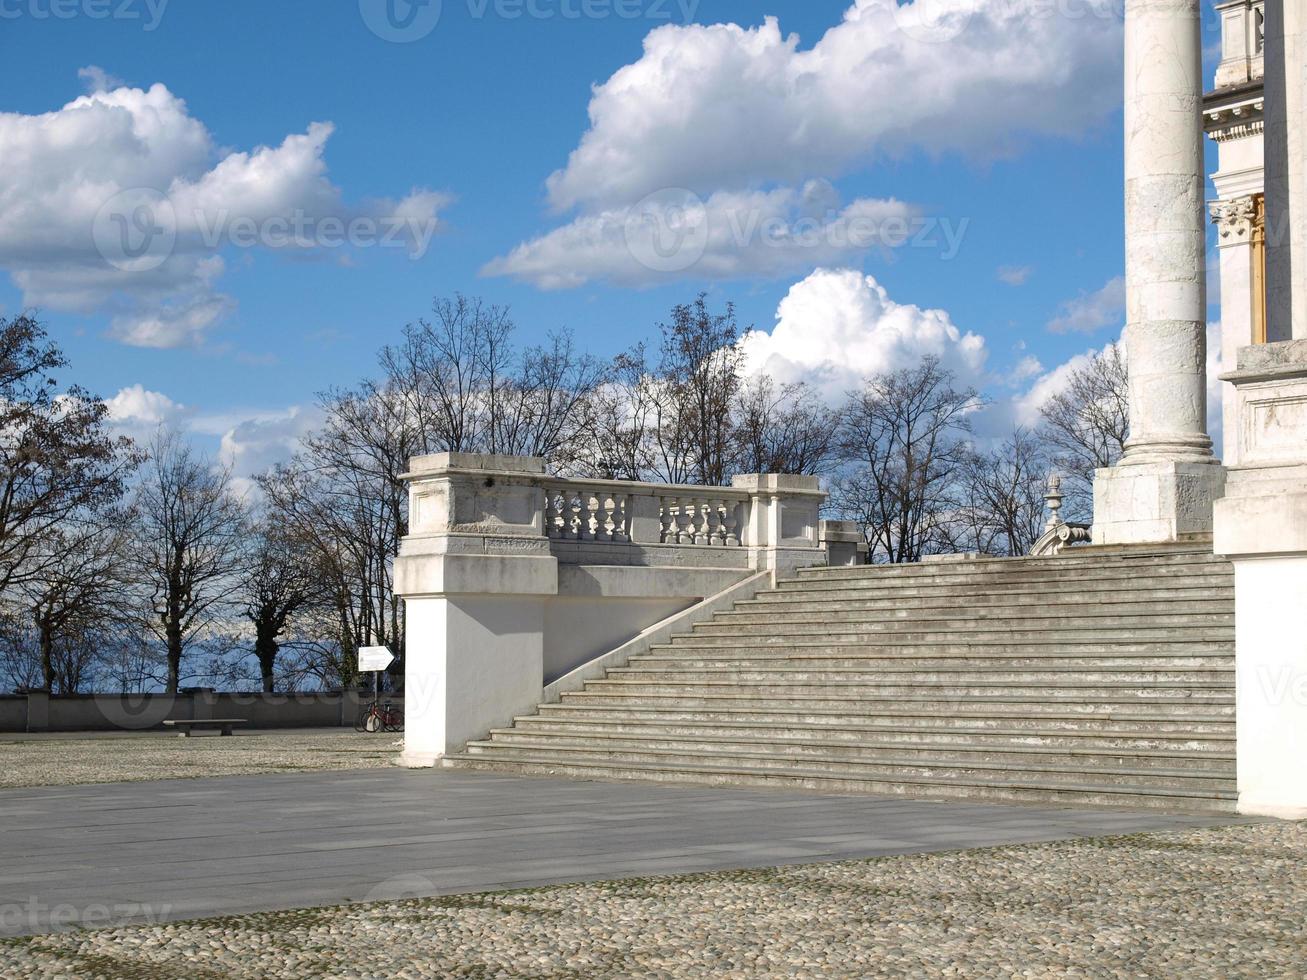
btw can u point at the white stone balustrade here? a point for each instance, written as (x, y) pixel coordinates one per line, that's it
(513, 578)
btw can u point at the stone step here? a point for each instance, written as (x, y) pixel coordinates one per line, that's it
(1049, 582)
(1055, 565)
(1028, 774)
(1036, 595)
(896, 753)
(978, 622)
(844, 647)
(1210, 612)
(1098, 721)
(997, 791)
(996, 604)
(1206, 678)
(1125, 741)
(910, 633)
(1033, 706)
(1198, 692)
(673, 658)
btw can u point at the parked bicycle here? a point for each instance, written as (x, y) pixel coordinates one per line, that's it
(382, 717)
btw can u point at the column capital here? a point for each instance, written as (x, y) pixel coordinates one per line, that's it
(1234, 219)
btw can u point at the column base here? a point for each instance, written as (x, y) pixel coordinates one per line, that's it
(1250, 806)
(1155, 502)
(418, 760)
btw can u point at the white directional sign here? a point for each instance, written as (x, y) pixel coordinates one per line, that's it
(375, 658)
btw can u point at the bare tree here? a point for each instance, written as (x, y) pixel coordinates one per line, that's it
(1003, 496)
(57, 456)
(447, 371)
(281, 580)
(785, 429)
(618, 421)
(903, 436)
(699, 378)
(82, 592)
(188, 547)
(1086, 425)
(542, 408)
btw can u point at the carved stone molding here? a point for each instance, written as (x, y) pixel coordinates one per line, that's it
(1234, 219)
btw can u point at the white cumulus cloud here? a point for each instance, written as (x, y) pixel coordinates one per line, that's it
(730, 235)
(837, 327)
(120, 203)
(721, 105)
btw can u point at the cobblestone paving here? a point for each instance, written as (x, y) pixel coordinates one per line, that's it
(70, 761)
(1214, 903)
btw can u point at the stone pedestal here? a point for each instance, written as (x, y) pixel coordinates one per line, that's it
(781, 524)
(474, 572)
(1261, 526)
(1153, 503)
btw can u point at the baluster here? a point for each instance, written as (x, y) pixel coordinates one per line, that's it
(621, 518)
(552, 518)
(718, 522)
(605, 523)
(732, 536)
(684, 521)
(668, 522)
(701, 533)
(569, 516)
(585, 514)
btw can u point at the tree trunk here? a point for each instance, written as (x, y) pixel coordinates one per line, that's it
(47, 653)
(265, 649)
(174, 658)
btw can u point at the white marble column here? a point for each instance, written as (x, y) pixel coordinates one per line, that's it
(1235, 220)
(1286, 170)
(1164, 486)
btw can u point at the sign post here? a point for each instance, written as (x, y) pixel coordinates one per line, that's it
(375, 659)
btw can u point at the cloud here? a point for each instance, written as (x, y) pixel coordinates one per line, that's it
(1091, 312)
(731, 235)
(713, 106)
(97, 79)
(1015, 275)
(837, 327)
(120, 203)
(254, 444)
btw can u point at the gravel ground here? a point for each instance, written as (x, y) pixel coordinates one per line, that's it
(1214, 903)
(66, 761)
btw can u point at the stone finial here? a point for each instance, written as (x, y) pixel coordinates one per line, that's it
(1053, 497)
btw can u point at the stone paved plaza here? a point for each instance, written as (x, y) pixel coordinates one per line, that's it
(1219, 903)
(76, 758)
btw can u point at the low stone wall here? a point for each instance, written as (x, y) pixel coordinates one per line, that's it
(40, 712)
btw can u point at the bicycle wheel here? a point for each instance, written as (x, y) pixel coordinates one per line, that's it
(361, 722)
(395, 720)
(373, 723)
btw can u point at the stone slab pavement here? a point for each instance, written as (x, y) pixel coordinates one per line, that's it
(119, 853)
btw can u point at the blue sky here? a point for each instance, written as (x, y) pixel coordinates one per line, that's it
(1018, 152)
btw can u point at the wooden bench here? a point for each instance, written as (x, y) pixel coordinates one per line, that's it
(190, 724)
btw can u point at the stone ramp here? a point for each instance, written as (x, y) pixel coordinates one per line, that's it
(1094, 678)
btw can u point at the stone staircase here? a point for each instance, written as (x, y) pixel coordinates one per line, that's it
(1101, 677)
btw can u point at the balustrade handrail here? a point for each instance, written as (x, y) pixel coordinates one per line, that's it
(639, 488)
